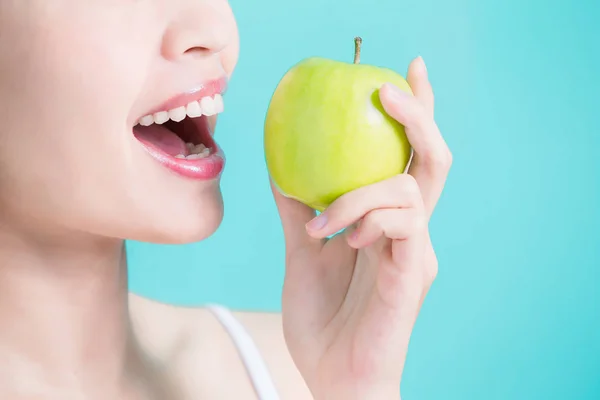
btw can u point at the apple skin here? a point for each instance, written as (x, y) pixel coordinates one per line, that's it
(326, 132)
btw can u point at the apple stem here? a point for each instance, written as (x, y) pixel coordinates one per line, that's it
(357, 43)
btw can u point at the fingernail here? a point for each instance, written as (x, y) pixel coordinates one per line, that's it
(354, 235)
(396, 93)
(317, 223)
(422, 65)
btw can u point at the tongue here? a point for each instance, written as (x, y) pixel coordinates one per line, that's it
(162, 138)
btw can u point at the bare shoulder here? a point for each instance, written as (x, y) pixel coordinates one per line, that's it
(196, 359)
(201, 354)
(267, 332)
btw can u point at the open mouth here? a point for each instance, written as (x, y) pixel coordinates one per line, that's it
(187, 139)
(181, 138)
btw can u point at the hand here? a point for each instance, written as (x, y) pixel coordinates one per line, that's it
(350, 302)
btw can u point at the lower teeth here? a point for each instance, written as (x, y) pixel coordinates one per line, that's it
(196, 152)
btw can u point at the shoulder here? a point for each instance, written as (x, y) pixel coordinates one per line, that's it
(194, 342)
(266, 330)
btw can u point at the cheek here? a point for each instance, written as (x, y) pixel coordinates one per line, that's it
(69, 88)
(65, 93)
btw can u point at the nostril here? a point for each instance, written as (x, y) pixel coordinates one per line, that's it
(197, 32)
(185, 43)
(197, 50)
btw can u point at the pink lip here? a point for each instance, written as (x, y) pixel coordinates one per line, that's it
(207, 168)
(206, 89)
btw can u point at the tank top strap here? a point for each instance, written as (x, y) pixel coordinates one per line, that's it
(249, 353)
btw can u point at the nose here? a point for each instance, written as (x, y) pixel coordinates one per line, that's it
(197, 30)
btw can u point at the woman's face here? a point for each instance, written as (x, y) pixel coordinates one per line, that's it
(76, 79)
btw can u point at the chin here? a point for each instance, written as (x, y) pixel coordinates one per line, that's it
(186, 222)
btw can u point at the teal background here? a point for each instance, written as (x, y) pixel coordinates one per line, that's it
(515, 312)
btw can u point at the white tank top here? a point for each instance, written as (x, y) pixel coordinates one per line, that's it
(255, 365)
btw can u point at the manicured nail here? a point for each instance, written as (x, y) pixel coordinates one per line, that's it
(396, 93)
(317, 223)
(422, 66)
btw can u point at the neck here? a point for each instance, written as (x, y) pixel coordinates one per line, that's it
(63, 310)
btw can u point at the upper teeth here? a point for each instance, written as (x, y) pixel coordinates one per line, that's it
(206, 106)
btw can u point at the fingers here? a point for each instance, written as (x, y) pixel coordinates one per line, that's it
(294, 217)
(401, 191)
(419, 83)
(395, 223)
(432, 158)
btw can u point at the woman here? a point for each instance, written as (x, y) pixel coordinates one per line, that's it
(88, 159)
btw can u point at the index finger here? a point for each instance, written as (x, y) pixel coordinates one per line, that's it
(432, 158)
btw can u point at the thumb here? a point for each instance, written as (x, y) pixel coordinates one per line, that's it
(294, 217)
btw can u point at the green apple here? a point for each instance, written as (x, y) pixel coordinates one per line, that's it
(326, 132)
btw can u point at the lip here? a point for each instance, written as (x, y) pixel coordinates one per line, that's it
(205, 89)
(208, 168)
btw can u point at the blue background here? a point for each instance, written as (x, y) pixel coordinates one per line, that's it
(515, 312)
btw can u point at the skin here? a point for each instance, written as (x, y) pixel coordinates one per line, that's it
(74, 183)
